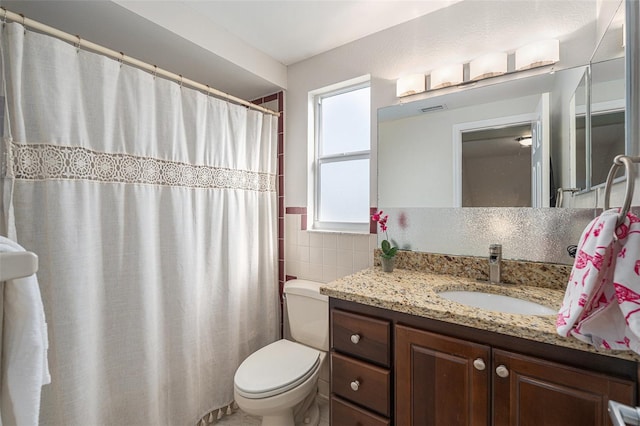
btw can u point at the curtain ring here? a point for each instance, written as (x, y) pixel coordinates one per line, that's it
(4, 17)
(208, 91)
(78, 43)
(181, 81)
(121, 60)
(155, 71)
(24, 25)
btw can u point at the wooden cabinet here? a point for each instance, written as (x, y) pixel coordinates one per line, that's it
(346, 414)
(531, 391)
(442, 380)
(360, 374)
(416, 371)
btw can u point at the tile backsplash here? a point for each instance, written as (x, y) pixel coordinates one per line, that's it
(531, 234)
(324, 256)
(536, 274)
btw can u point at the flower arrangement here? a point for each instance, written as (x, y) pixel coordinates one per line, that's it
(388, 252)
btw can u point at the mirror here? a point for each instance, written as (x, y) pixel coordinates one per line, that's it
(584, 113)
(496, 171)
(416, 159)
(600, 134)
(579, 131)
(419, 167)
(607, 117)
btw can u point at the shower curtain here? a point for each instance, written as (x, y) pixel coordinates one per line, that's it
(152, 208)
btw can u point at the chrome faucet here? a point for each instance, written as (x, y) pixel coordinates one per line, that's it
(495, 259)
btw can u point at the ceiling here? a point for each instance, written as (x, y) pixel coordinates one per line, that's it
(244, 47)
(291, 31)
(240, 47)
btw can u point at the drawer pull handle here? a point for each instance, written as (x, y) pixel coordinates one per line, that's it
(478, 363)
(355, 385)
(355, 338)
(502, 371)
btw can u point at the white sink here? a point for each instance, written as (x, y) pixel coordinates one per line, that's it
(497, 302)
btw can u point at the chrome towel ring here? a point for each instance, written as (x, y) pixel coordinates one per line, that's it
(627, 162)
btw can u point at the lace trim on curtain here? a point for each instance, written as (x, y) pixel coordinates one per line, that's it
(43, 161)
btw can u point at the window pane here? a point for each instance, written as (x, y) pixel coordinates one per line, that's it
(345, 122)
(344, 191)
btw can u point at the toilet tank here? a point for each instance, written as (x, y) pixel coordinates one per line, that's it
(308, 313)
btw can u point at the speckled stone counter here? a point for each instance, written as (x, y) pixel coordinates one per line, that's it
(539, 274)
(415, 292)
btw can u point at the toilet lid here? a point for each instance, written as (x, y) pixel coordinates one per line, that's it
(275, 369)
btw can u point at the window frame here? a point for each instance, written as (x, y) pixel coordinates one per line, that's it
(317, 160)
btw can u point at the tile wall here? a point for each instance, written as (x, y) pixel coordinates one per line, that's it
(275, 102)
(323, 256)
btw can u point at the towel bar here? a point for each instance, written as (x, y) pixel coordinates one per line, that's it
(17, 265)
(622, 415)
(627, 162)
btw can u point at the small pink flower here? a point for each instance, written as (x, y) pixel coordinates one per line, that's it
(387, 250)
(402, 221)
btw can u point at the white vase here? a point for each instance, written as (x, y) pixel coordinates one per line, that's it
(388, 263)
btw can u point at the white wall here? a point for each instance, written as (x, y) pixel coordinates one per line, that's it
(497, 181)
(456, 34)
(417, 153)
(453, 35)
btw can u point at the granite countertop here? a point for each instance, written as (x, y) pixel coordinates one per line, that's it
(415, 293)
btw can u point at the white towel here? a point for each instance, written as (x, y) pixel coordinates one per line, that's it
(24, 348)
(602, 301)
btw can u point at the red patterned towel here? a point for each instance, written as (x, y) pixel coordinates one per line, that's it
(602, 303)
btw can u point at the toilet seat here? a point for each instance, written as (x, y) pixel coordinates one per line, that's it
(275, 369)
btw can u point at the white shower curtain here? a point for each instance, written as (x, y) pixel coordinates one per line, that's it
(152, 208)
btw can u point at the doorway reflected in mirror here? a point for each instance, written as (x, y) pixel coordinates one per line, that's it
(496, 167)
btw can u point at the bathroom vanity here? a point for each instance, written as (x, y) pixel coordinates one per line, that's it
(402, 355)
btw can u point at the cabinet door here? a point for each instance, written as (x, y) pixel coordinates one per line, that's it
(440, 380)
(530, 391)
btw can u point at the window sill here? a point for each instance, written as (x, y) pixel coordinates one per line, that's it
(338, 231)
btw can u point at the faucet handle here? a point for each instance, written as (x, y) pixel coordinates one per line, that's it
(495, 253)
(495, 259)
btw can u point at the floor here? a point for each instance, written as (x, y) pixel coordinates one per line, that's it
(240, 418)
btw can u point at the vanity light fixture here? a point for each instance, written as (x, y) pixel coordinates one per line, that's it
(537, 54)
(489, 65)
(524, 140)
(446, 76)
(410, 85)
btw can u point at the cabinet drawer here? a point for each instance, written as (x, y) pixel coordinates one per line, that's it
(346, 414)
(362, 383)
(363, 337)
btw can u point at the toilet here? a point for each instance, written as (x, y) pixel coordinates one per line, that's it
(280, 381)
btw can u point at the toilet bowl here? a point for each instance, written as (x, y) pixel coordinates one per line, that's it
(276, 380)
(280, 381)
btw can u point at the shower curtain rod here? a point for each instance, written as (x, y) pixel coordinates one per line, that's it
(79, 42)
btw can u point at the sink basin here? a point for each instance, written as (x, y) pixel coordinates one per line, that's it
(497, 302)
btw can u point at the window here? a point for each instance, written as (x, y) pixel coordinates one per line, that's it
(341, 163)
